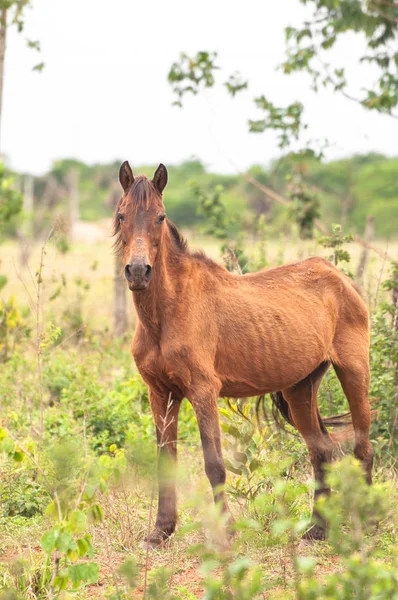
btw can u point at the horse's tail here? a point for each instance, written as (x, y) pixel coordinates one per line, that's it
(280, 408)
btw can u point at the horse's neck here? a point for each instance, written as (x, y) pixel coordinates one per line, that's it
(152, 304)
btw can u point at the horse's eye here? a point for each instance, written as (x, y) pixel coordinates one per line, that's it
(124, 243)
(120, 217)
(161, 218)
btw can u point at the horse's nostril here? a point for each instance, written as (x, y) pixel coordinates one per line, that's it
(127, 272)
(148, 271)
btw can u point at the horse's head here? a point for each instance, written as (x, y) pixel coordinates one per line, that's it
(139, 222)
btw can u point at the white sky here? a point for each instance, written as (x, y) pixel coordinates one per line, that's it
(103, 94)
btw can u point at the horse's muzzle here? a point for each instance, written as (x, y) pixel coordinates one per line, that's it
(138, 274)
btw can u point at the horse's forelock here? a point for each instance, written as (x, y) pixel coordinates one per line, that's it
(142, 194)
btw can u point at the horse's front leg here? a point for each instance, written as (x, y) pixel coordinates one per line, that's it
(165, 411)
(204, 401)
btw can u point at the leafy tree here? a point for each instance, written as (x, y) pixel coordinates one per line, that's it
(307, 49)
(12, 14)
(376, 20)
(10, 205)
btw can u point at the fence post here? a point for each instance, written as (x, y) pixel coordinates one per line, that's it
(73, 192)
(25, 232)
(394, 324)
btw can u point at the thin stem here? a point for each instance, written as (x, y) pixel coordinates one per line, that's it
(57, 558)
(39, 280)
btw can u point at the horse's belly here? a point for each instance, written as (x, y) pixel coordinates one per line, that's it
(260, 363)
(239, 389)
(253, 383)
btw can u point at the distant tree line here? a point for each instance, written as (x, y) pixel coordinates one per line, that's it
(347, 191)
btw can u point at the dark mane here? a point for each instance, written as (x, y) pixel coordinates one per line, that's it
(202, 256)
(118, 243)
(182, 245)
(178, 239)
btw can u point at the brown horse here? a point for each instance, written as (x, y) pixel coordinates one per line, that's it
(204, 332)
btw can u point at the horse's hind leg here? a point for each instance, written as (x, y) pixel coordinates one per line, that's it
(303, 409)
(351, 363)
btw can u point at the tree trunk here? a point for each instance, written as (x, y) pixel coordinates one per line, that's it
(348, 200)
(119, 300)
(3, 33)
(368, 236)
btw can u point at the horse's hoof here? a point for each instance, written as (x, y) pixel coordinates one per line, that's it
(155, 540)
(315, 533)
(151, 545)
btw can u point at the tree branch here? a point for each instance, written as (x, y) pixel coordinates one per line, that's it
(385, 15)
(385, 3)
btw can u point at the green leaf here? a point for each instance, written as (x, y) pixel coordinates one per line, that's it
(77, 521)
(90, 490)
(97, 513)
(240, 566)
(254, 465)
(7, 445)
(130, 570)
(18, 456)
(84, 572)
(61, 581)
(280, 526)
(64, 541)
(84, 545)
(73, 555)
(305, 564)
(39, 67)
(49, 539)
(231, 467)
(234, 431)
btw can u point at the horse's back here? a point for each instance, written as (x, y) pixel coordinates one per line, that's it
(307, 270)
(311, 278)
(279, 324)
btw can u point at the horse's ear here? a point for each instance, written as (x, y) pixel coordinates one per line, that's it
(160, 178)
(126, 176)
